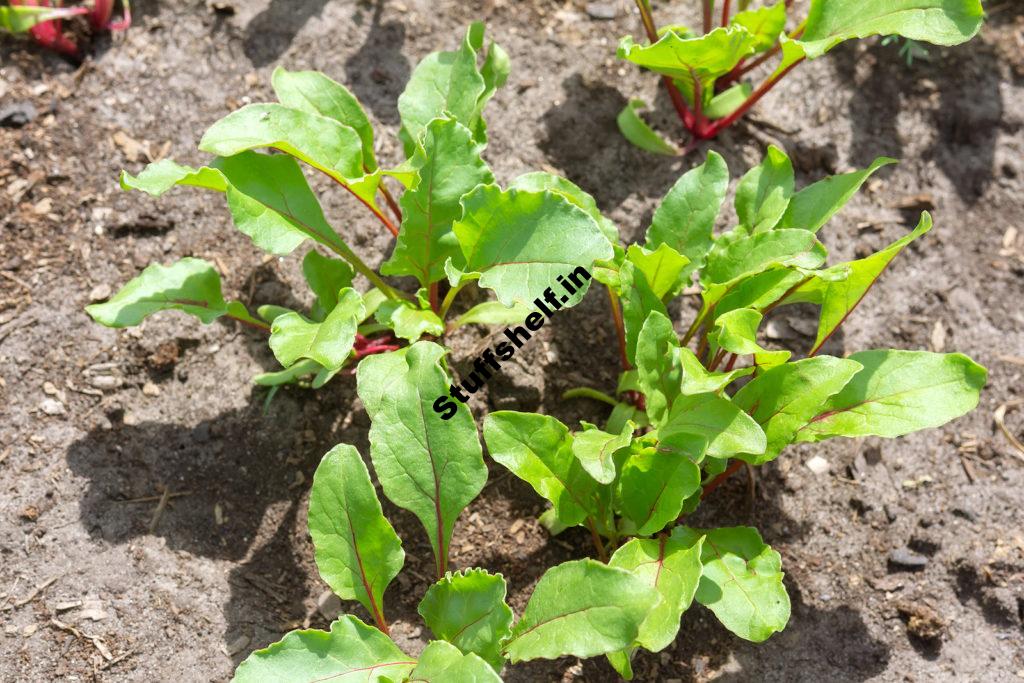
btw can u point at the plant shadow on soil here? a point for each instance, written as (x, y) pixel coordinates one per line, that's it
(271, 31)
(967, 108)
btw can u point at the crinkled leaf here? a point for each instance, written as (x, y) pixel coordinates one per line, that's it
(736, 332)
(520, 242)
(764, 23)
(314, 92)
(663, 268)
(426, 465)
(941, 22)
(741, 581)
(727, 429)
(351, 651)
(323, 143)
(494, 313)
(539, 181)
(442, 662)
(787, 397)
(813, 206)
(409, 321)
(691, 60)
(635, 129)
(638, 302)
(898, 392)
(451, 83)
(538, 450)
(656, 480)
(761, 290)
(764, 191)
(697, 380)
(326, 278)
(448, 165)
(581, 608)
(753, 254)
(659, 370)
(686, 216)
(329, 343)
(190, 285)
(672, 566)
(358, 552)
(595, 448)
(468, 610)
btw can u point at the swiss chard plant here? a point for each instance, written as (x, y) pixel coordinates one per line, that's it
(43, 20)
(451, 224)
(434, 469)
(706, 71)
(692, 408)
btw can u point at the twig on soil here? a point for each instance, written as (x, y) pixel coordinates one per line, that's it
(16, 280)
(1000, 418)
(161, 506)
(32, 595)
(115, 660)
(965, 462)
(97, 641)
(154, 499)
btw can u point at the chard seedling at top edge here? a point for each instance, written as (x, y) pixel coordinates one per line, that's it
(43, 20)
(691, 409)
(704, 71)
(448, 223)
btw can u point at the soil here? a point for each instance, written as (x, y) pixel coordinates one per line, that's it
(905, 560)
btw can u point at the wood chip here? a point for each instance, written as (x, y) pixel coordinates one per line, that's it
(938, 337)
(1000, 418)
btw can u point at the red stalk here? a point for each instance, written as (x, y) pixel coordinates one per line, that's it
(725, 13)
(707, 11)
(721, 124)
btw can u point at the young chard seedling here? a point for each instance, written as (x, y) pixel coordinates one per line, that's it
(704, 71)
(450, 224)
(43, 19)
(434, 469)
(688, 418)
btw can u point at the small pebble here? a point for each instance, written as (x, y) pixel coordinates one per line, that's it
(906, 559)
(17, 115)
(105, 382)
(52, 407)
(817, 464)
(602, 10)
(99, 293)
(150, 389)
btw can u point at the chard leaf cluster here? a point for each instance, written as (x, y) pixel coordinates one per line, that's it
(705, 69)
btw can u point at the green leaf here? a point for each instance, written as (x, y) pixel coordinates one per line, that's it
(358, 552)
(351, 651)
(323, 143)
(741, 581)
(581, 608)
(786, 398)
(268, 196)
(426, 465)
(538, 450)
(638, 302)
(190, 285)
(468, 610)
(448, 165)
(659, 370)
(313, 92)
(302, 368)
(764, 23)
(749, 255)
(813, 206)
(728, 101)
(764, 191)
(736, 332)
(635, 129)
(540, 181)
(941, 22)
(672, 566)
(686, 216)
(326, 278)
(329, 343)
(451, 83)
(442, 662)
(697, 380)
(409, 321)
(655, 481)
(595, 450)
(898, 392)
(841, 287)
(663, 268)
(692, 60)
(520, 242)
(21, 19)
(726, 428)
(494, 313)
